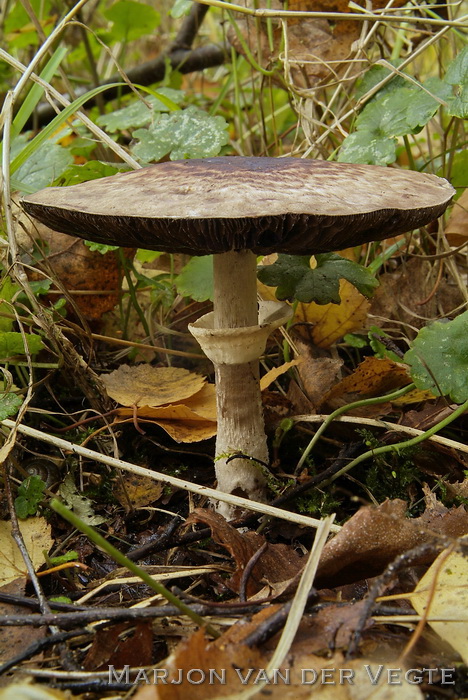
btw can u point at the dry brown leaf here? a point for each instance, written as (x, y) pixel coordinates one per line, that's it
(332, 321)
(374, 536)
(186, 430)
(278, 562)
(37, 538)
(456, 231)
(372, 377)
(318, 372)
(135, 491)
(119, 644)
(144, 385)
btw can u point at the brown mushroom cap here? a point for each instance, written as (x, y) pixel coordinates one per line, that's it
(214, 205)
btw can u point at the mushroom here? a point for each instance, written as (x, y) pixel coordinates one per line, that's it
(238, 208)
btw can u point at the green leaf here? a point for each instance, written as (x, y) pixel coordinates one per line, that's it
(131, 20)
(8, 289)
(294, 278)
(362, 147)
(72, 555)
(92, 170)
(181, 8)
(190, 133)
(196, 279)
(9, 405)
(457, 72)
(147, 256)
(44, 166)
(374, 75)
(18, 28)
(137, 113)
(438, 358)
(30, 494)
(102, 248)
(11, 343)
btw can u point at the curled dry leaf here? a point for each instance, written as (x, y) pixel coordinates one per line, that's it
(456, 231)
(144, 385)
(279, 563)
(375, 536)
(190, 420)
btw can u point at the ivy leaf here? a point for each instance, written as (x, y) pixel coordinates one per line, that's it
(12, 343)
(30, 494)
(9, 405)
(374, 75)
(438, 359)
(362, 147)
(131, 20)
(294, 278)
(196, 279)
(457, 74)
(92, 170)
(45, 165)
(137, 113)
(190, 133)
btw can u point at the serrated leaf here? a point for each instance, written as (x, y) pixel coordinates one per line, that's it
(196, 279)
(9, 405)
(102, 248)
(438, 359)
(30, 494)
(295, 279)
(8, 289)
(92, 170)
(131, 19)
(190, 133)
(374, 75)
(12, 343)
(137, 113)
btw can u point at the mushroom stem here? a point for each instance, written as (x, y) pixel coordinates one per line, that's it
(239, 404)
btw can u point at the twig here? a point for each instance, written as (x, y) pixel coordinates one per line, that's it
(248, 570)
(40, 645)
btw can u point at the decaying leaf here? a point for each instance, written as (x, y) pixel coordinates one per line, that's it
(122, 643)
(79, 504)
(144, 385)
(374, 536)
(445, 585)
(372, 377)
(318, 372)
(278, 563)
(36, 535)
(276, 372)
(135, 491)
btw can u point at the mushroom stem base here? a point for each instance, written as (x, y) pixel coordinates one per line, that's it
(240, 429)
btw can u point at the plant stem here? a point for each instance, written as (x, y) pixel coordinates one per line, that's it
(130, 565)
(399, 445)
(344, 409)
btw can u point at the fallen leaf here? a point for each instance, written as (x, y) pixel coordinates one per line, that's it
(278, 562)
(374, 536)
(144, 385)
(318, 372)
(445, 585)
(119, 644)
(135, 491)
(332, 321)
(456, 230)
(372, 377)
(79, 504)
(36, 535)
(276, 372)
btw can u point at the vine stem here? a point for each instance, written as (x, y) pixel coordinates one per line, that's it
(344, 409)
(130, 565)
(399, 445)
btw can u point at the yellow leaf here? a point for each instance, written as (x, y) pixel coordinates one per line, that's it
(276, 372)
(332, 321)
(372, 377)
(456, 231)
(36, 535)
(144, 385)
(447, 583)
(203, 403)
(136, 490)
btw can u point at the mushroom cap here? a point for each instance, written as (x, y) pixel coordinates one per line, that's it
(214, 205)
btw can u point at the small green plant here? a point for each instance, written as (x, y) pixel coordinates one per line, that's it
(30, 495)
